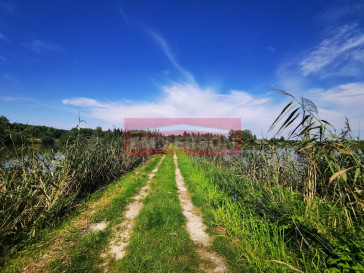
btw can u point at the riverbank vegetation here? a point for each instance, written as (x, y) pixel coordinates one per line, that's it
(292, 204)
(38, 188)
(19, 133)
(283, 209)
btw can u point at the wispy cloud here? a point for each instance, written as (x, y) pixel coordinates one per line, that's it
(162, 43)
(11, 79)
(3, 59)
(4, 38)
(257, 113)
(14, 99)
(40, 46)
(125, 18)
(343, 10)
(345, 96)
(338, 102)
(84, 102)
(336, 55)
(185, 100)
(271, 49)
(7, 6)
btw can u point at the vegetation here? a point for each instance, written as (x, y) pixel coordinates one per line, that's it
(282, 205)
(19, 133)
(287, 209)
(80, 249)
(37, 189)
(85, 254)
(160, 242)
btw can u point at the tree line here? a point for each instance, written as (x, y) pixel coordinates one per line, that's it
(20, 133)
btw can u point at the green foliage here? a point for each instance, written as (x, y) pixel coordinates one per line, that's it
(298, 206)
(37, 189)
(19, 133)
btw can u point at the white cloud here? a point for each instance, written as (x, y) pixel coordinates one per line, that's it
(337, 53)
(349, 95)
(341, 101)
(185, 101)
(257, 114)
(14, 99)
(271, 49)
(40, 46)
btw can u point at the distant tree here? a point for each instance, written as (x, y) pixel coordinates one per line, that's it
(4, 122)
(247, 135)
(282, 138)
(16, 138)
(47, 139)
(4, 134)
(98, 131)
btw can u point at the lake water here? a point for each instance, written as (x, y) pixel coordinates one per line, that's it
(10, 152)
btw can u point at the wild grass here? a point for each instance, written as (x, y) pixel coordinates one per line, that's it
(37, 189)
(160, 242)
(291, 207)
(71, 246)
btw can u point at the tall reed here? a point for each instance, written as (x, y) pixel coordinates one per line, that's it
(310, 190)
(36, 189)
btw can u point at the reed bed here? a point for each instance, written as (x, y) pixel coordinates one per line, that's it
(308, 195)
(38, 188)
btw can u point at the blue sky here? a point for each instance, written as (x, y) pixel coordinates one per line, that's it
(121, 59)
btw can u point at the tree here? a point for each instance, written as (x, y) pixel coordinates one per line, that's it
(246, 135)
(98, 131)
(4, 122)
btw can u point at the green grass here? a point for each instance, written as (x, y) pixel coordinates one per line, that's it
(39, 187)
(83, 251)
(160, 242)
(269, 227)
(248, 241)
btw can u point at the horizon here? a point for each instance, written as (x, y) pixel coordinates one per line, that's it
(186, 59)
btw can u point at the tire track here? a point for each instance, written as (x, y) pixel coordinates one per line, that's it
(212, 262)
(122, 232)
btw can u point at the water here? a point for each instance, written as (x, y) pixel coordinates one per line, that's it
(11, 152)
(12, 155)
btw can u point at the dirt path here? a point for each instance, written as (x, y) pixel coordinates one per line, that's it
(196, 228)
(122, 233)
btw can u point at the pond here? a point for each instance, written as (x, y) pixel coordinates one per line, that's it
(11, 152)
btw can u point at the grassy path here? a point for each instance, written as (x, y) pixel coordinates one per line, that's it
(160, 242)
(212, 262)
(122, 232)
(247, 241)
(164, 217)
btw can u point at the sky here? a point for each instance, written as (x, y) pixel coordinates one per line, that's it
(110, 60)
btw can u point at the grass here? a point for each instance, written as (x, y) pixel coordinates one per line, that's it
(267, 227)
(294, 208)
(70, 246)
(38, 189)
(160, 242)
(246, 241)
(271, 209)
